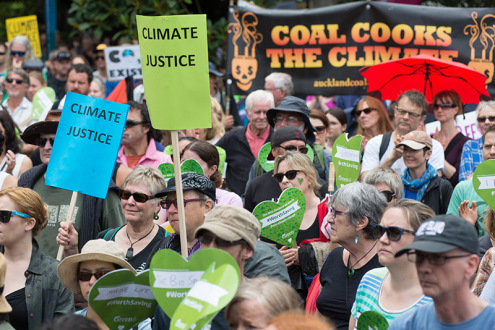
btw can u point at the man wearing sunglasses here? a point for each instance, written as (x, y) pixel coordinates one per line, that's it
(91, 215)
(138, 147)
(382, 150)
(445, 253)
(17, 104)
(57, 78)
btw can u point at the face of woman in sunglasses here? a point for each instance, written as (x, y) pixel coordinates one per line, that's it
(17, 227)
(138, 211)
(96, 268)
(300, 181)
(387, 248)
(370, 119)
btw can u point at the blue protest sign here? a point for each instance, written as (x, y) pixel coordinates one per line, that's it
(86, 144)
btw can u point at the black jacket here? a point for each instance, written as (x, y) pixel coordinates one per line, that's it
(437, 195)
(239, 158)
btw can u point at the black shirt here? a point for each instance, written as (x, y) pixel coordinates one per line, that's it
(19, 315)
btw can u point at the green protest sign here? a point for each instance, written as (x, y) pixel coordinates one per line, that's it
(174, 61)
(372, 320)
(171, 276)
(43, 100)
(214, 290)
(122, 299)
(265, 151)
(187, 166)
(346, 157)
(484, 181)
(280, 221)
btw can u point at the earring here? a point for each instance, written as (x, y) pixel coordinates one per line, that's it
(356, 239)
(156, 217)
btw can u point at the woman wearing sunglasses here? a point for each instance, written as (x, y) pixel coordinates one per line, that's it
(31, 286)
(139, 235)
(337, 124)
(12, 161)
(446, 105)
(372, 119)
(321, 124)
(79, 272)
(393, 289)
(19, 51)
(354, 209)
(386, 181)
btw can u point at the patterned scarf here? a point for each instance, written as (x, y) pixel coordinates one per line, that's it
(419, 184)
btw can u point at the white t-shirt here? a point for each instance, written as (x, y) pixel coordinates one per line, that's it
(371, 153)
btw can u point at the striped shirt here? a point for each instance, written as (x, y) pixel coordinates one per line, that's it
(368, 294)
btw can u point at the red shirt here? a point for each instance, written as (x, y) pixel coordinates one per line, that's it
(256, 141)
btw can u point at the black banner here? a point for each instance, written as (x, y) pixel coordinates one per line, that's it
(323, 49)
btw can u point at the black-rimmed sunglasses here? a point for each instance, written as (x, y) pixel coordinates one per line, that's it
(389, 195)
(138, 197)
(394, 233)
(86, 276)
(132, 123)
(366, 111)
(166, 203)
(483, 119)
(17, 81)
(41, 142)
(302, 150)
(6, 215)
(219, 243)
(290, 175)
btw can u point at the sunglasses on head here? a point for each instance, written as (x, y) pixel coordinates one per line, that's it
(219, 243)
(290, 175)
(483, 119)
(20, 54)
(138, 197)
(166, 203)
(366, 111)
(388, 195)
(132, 123)
(394, 233)
(320, 129)
(17, 81)
(444, 105)
(5, 215)
(294, 148)
(86, 276)
(41, 142)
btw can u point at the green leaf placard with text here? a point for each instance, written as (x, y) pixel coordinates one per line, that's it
(280, 221)
(187, 166)
(484, 181)
(346, 157)
(171, 276)
(265, 151)
(122, 299)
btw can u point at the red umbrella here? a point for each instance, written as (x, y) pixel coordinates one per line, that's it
(426, 74)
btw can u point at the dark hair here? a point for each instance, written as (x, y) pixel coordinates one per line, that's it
(490, 129)
(339, 114)
(317, 114)
(2, 140)
(209, 154)
(416, 98)
(449, 94)
(145, 116)
(11, 140)
(82, 68)
(69, 321)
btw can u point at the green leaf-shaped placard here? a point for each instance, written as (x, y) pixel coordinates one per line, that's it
(371, 320)
(122, 299)
(346, 157)
(280, 221)
(207, 297)
(484, 181)
(171, 276)
(264, 152)
(187, 166)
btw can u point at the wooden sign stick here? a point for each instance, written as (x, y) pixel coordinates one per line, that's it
(179, 194)
(331, 178)
(68, 220)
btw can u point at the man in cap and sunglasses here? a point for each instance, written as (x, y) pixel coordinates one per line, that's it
(91, 215)
(445, 253)
(57, 78)
(138, 146)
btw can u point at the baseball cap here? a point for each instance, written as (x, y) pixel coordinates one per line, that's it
(287, 133)
(417, 140)
(191, 181)
(62, 56)
(231, 223)
(444, 233)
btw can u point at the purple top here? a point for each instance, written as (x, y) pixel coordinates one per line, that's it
(453, 155)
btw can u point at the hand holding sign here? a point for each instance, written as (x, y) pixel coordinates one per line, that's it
(346, 157)
(484, 181)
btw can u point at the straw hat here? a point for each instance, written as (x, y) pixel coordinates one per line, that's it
(4, 305)
(99, 250)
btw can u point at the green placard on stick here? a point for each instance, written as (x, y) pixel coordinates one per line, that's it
(174, 61)
(346, 157)
(484, 181)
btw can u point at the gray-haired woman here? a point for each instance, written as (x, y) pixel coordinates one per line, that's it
(354, 209)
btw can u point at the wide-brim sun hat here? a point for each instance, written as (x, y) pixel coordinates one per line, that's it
(47, 126)
(4, 304)
(99, 250)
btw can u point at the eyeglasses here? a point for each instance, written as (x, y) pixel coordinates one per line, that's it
(219, 243)
(403, 112)
(17, 81)
(132, 123)
(138, 197)
(166, 203)
(394, 233)
(17, 54)
(5, 215)
(334, 212)
(302, 149)
(290, 175)
(86, 276)
(288, 119)
(2, 53)
(41, 142)
(366, 111)
(388, 195)
(99, 57)
(444, 105)
(320, 129)
(433, 258)
(483, 119)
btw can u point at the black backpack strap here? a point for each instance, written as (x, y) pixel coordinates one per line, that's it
(111, 233)
(384, 145)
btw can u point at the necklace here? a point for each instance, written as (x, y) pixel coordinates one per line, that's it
(130, 251)
(350, 270)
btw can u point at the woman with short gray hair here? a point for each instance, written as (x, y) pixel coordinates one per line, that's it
(353, 211)
(387, 181)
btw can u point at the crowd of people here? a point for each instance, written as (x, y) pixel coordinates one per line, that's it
(405, 240)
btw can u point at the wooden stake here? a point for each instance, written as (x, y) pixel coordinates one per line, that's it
(179, 194)
(68, 220)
